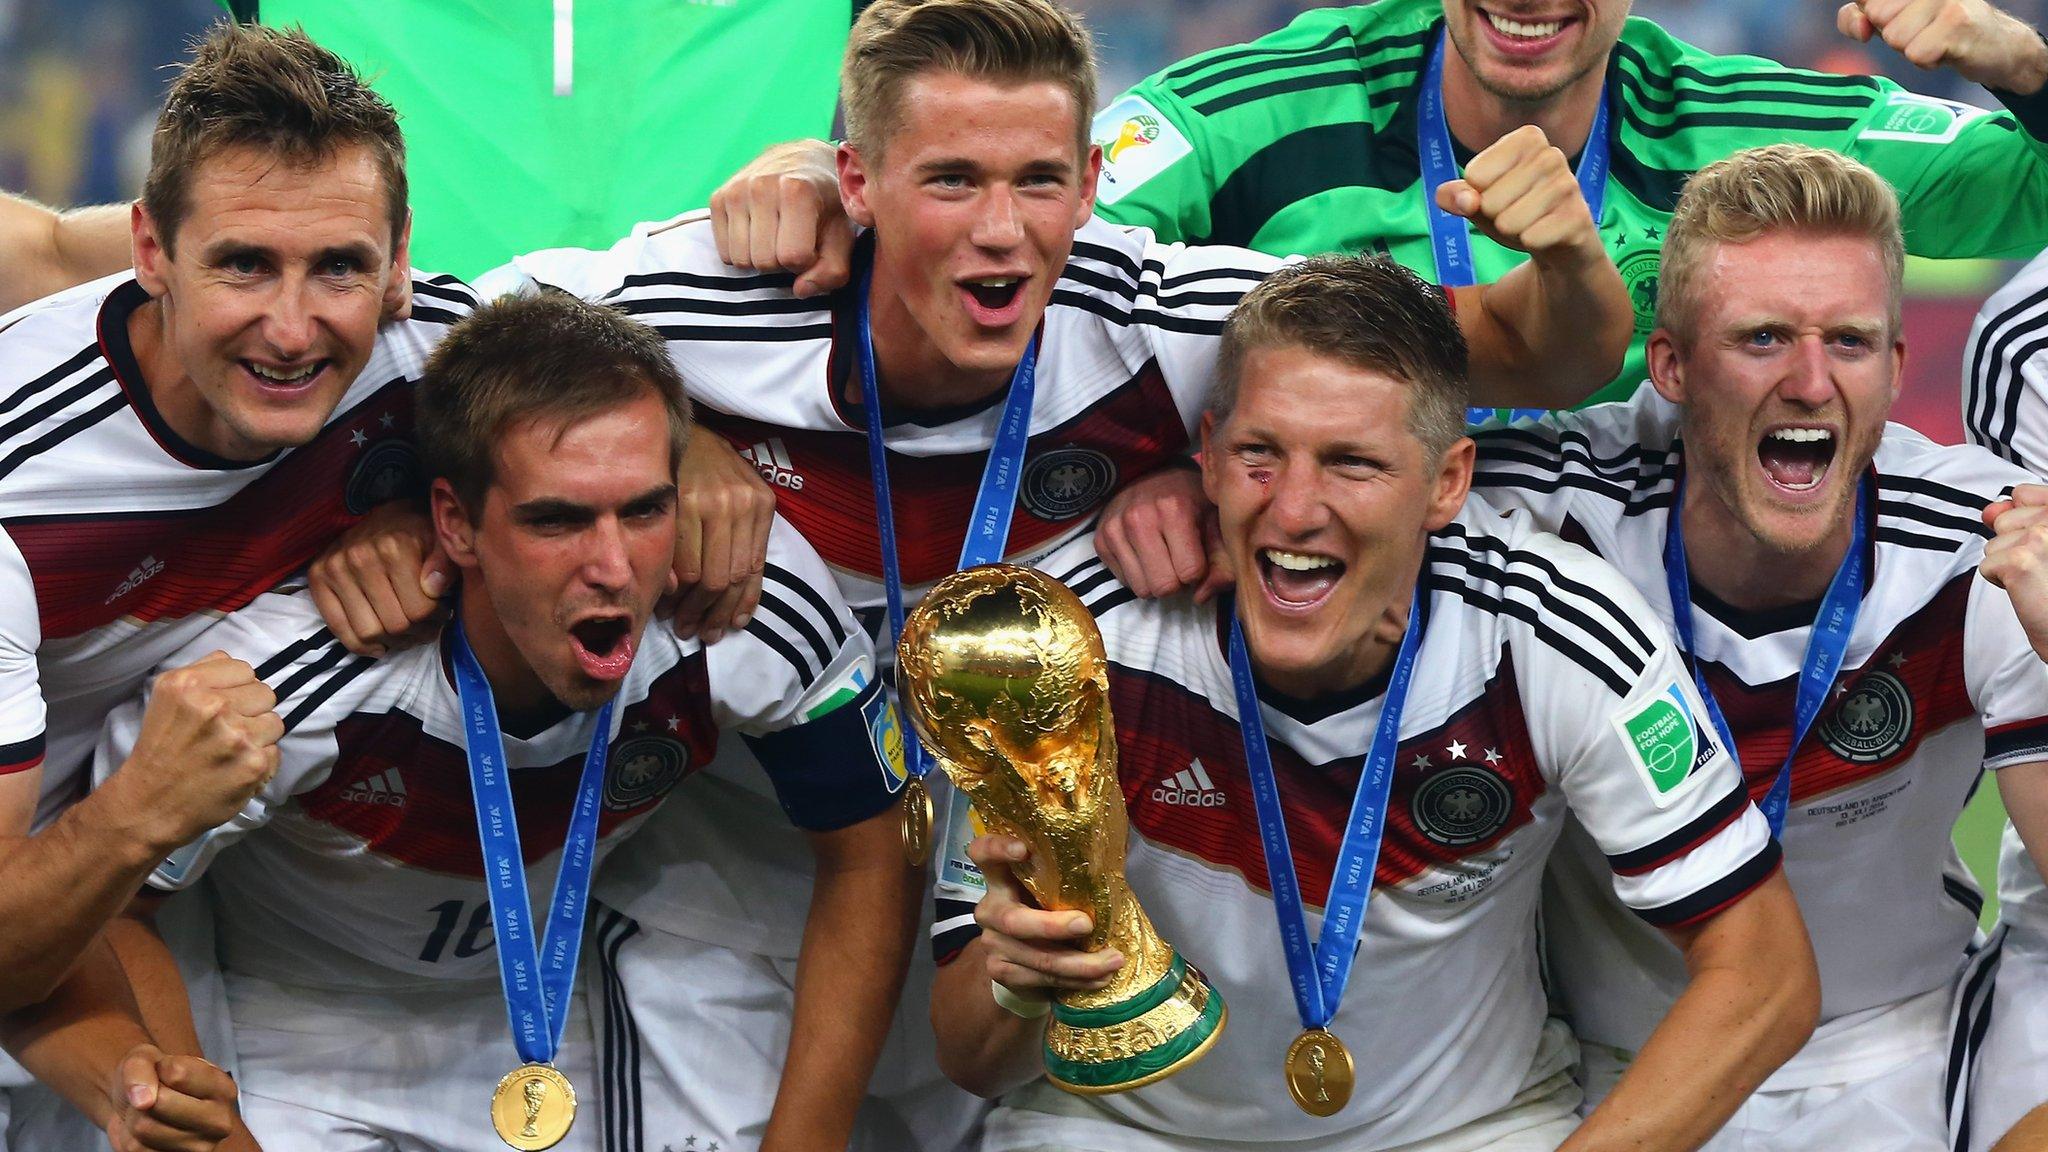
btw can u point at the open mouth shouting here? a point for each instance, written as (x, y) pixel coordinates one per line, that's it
(1795, 459)
(289, 378)
(1525, 36)
(994, 301)
(604, 645)
(1298, 581)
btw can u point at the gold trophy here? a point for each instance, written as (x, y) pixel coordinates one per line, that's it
(1004, 677)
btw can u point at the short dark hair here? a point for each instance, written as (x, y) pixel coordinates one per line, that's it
(1365, 311)
(273, 90)
(548, 356)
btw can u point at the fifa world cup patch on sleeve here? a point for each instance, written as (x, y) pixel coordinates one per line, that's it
(885, 732)
(1667, 741)
(1138, 143)
(1916, 119)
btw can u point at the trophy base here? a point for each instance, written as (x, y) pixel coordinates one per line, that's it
(1093, 1051)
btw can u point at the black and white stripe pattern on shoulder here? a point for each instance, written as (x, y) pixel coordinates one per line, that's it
(57, 405)
(441, 299)
(324, 667)
(1549, 458)
(1112, 284)
(618, 1040)
(1994, 383)
(750, 307)
(797, 623)
(1095, 584)
(1914, 512)
(1577, 620)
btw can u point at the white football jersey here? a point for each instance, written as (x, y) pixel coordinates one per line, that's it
(122, 541)
(1536, 694)
(359, 865)
(1126, 360)
(1938, 682)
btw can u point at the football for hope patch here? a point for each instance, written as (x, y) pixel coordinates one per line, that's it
(1911, 118)
(1667, 742)
(1138, 143)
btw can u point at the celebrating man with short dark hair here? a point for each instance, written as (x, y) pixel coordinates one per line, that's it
(549, 718)
(1391, 723)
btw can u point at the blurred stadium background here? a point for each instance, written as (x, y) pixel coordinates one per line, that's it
(80, 81)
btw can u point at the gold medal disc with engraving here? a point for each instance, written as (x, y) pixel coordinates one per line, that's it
(1319, 1073)
(917, 822)
(533, 1107)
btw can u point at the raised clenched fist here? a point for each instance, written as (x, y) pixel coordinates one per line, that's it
(1521, 193)
(208, 745)
(1980, 42)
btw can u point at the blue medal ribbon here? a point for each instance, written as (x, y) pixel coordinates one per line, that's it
(1827, 645)
(1319, 972)
(988, 533)
(539, 977)
(1450, 236)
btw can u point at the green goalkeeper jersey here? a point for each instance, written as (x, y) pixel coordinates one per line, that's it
(1305, 141)
(531, 124)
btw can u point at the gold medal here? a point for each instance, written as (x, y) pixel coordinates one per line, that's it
(1319, 1072)
(533, 1107)
(917, 822)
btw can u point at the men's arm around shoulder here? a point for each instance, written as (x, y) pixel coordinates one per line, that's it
(1653, 783)
(43, 251)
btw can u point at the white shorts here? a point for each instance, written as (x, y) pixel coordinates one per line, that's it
(2010, 1075)
(410, 1072)
(1042, 1118)
(691, 1043)
(1877, 1082)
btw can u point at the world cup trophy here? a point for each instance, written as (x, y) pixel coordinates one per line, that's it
(1003, 674)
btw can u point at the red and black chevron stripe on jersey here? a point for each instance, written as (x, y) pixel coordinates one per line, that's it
(934, 495)
(1458, 789)
(1922, 658)
(661, 739)
(93, 568)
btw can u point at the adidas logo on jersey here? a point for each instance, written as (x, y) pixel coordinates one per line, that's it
(383, 788)
(1191, 788)
(148, 567)
(773, 461)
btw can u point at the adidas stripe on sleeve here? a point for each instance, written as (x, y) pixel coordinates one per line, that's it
(799, 685)
(2005, 371)
(1166, 302)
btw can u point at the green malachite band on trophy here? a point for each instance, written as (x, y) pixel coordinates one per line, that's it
(1141, 1069)
(1130, 1009)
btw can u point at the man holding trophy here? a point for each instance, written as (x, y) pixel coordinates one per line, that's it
(1455, 681)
